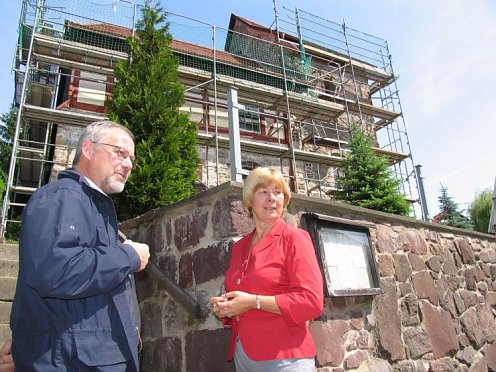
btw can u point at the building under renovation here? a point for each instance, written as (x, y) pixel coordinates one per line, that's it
(282, 95)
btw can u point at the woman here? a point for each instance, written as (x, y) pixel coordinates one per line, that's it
(273, 284)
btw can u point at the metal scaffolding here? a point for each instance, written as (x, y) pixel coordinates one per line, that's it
(299, 87)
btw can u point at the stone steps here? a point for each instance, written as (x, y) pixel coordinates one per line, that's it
(9, 266)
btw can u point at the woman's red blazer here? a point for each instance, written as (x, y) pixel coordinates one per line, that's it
(283, 264)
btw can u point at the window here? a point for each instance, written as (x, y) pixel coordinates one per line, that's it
(344, 250)
(90, 90)
(249, 119)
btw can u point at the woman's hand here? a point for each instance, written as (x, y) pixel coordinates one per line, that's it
(217, 308)
(232, 304)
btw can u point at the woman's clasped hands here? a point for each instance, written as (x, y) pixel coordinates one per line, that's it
(232, 304)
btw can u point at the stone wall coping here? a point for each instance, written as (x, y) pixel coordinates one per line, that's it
(150, 215)
(390, 218)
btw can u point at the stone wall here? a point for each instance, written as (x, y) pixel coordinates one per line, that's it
(437, 311)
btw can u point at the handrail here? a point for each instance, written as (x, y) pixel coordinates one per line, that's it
(189, 303)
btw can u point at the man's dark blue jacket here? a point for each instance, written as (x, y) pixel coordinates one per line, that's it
(75, 287)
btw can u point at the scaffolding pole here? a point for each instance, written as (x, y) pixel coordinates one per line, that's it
(10, 178)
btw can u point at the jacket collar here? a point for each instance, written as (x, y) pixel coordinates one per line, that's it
(270, 237)
(73, 174)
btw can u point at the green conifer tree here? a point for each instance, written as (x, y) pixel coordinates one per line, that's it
(449, 214)
(480, 211)
(146, 99)
(367, 180)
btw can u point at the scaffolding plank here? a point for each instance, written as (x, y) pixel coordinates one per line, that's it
(371, 110)
(77, 52)
(61, 62)
(74, 118)
(393, 156)
(376, 86)
(326, 141)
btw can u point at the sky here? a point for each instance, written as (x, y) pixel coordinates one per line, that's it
(443, 53)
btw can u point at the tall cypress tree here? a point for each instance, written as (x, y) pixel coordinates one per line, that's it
(367, 180)
(146, 99)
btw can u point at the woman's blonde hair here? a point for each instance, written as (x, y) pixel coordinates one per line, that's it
(263, 177)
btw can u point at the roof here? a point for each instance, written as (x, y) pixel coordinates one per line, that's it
(104, 28)
(202, 51)
(175, 45)
(245, 26)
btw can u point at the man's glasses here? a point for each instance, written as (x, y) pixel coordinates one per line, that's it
(121, 152)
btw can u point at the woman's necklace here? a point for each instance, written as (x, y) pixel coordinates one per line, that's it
(254, 241)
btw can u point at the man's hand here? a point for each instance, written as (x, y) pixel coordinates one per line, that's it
(6, 362)
(143, 252)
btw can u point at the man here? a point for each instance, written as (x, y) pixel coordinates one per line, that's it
(75, 305)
